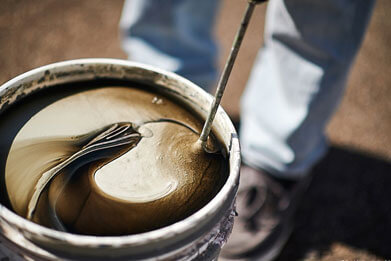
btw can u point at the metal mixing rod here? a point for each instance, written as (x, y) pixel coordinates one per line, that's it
(227, 71)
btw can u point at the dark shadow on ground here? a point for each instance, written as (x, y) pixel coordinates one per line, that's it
(348, 202)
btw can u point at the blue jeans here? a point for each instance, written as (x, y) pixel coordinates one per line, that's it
(296, 82)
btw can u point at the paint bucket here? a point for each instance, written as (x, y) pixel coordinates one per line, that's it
(197, 237)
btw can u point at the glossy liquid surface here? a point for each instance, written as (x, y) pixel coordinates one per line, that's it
(110, 161)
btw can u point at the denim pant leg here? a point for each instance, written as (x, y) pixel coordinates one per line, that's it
(175, 35)
(298, 80)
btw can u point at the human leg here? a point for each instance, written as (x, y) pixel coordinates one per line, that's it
(298, 80)
(176, 35)
(296, 83)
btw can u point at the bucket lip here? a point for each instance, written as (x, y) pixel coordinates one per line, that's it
(163, 233)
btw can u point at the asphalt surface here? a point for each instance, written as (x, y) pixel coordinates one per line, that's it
(346, 214)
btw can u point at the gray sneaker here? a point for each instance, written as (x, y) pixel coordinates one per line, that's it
(265, 207)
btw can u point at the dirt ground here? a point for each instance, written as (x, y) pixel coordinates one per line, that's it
(346, 214)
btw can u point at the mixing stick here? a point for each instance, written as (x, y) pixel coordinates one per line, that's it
(226, 72)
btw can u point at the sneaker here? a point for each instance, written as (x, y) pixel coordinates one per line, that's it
(265, 207)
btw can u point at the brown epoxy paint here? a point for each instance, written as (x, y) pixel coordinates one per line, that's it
(136, 188)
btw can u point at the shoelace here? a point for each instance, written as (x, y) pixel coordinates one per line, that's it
(261, 200)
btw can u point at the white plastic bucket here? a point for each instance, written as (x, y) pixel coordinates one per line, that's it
(198, 237)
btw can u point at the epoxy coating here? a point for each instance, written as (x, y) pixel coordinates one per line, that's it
(148, 182)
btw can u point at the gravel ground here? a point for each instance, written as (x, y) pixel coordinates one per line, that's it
(346, 213)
